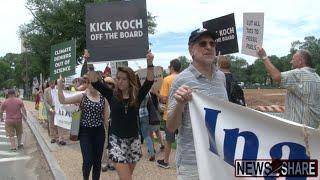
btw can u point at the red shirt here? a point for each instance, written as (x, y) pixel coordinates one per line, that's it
(12, 108)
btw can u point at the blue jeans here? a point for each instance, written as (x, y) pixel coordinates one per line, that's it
(91, 144)
(145, 130)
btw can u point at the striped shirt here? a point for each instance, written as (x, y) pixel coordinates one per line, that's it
(185, 154)
(303, 98)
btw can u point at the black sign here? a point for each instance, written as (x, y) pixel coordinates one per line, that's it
(117, 30)
(226, 33)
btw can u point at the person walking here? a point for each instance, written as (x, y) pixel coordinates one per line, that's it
(94, 118)
(15, 113)
(125, 99)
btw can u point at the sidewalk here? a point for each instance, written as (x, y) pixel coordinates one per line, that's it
(69, 160)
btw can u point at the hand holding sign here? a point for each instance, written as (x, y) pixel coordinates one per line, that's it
(60, 83)
(150, 58)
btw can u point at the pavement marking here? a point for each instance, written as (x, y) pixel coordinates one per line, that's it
(4, 143)
(2, 126)
(14, 158)
(4, 136)
(2, 130)
(8, 153)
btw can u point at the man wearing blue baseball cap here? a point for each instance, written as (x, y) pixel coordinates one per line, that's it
(203, 75)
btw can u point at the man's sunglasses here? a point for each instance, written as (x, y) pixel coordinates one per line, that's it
(205, 43)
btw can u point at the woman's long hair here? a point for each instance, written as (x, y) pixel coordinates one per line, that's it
(133, 86)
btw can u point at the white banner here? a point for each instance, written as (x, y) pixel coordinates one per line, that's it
(225, 132)
(252, 33)
(63, 114)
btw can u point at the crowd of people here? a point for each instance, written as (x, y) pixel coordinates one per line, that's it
(115, 116)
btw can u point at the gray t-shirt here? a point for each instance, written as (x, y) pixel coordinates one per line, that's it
(191, 77)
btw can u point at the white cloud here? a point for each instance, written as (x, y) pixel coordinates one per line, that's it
(285, 22)
(12, 15)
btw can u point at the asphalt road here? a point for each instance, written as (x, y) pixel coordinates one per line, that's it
(24, 164)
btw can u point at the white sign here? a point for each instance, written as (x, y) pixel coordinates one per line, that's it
(63, 112)
(224, 132)
(252, 33)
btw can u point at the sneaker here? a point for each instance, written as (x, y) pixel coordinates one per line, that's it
(111, 167)
(53, 141)
(20, 146)
(162, 164)
(104, 168)
(152, 158)
(62, 143)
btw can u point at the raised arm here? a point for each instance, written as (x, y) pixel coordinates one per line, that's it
(272, 70)
(76, 99)
(145, 88)
(99, 86)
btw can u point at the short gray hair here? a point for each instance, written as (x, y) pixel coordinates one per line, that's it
(306, 56)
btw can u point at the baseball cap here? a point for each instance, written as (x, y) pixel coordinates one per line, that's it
(196, 34)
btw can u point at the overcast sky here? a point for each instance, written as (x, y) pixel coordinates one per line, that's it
(285, 21)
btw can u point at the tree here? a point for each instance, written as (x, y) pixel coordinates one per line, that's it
(184, 62)
(313, 45)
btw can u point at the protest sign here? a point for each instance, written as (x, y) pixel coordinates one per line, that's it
(252, 33)
(225, 134)
(63, 59)
(225, 32)
(117, 30)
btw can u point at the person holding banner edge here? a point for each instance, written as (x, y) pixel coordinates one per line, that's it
(94, 116)
(125, 100)
(303, 87)
(203, 76)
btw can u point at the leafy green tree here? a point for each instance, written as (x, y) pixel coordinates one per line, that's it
(313, 45)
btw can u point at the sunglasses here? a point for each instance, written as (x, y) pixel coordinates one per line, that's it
(205, 43)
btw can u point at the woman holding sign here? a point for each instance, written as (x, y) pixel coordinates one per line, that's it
(94, 114)
(125, 100)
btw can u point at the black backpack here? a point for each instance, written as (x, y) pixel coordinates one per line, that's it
(235, 93)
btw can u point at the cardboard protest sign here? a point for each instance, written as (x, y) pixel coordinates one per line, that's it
(63, 59)
(158, 70)
(117, 30)
(252, 33)
(226, 34)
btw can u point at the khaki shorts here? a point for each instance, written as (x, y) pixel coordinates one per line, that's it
(13, 128)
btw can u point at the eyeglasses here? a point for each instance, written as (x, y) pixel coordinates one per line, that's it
(205, 43)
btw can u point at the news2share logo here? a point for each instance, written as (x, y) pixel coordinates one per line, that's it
(276, 168)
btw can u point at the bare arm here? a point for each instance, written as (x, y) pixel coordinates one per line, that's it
(150, 72)
(70, 100)
(24, 112)
(1, 113)
(272, 70)
(106, 114)
(181, 96)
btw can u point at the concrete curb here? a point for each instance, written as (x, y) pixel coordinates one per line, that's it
(56, 171)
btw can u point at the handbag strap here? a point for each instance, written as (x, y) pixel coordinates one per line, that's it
(81, 103)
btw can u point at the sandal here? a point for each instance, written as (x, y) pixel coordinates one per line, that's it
(13, 149)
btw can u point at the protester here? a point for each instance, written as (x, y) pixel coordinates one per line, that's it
(203, 76)
(234, 91)
(303, 87)
(106, 163)
(15, 113)
(37, 98)
(94, 116)
(55, 132)
(125, 147)
(174, 68)
(145, 127)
